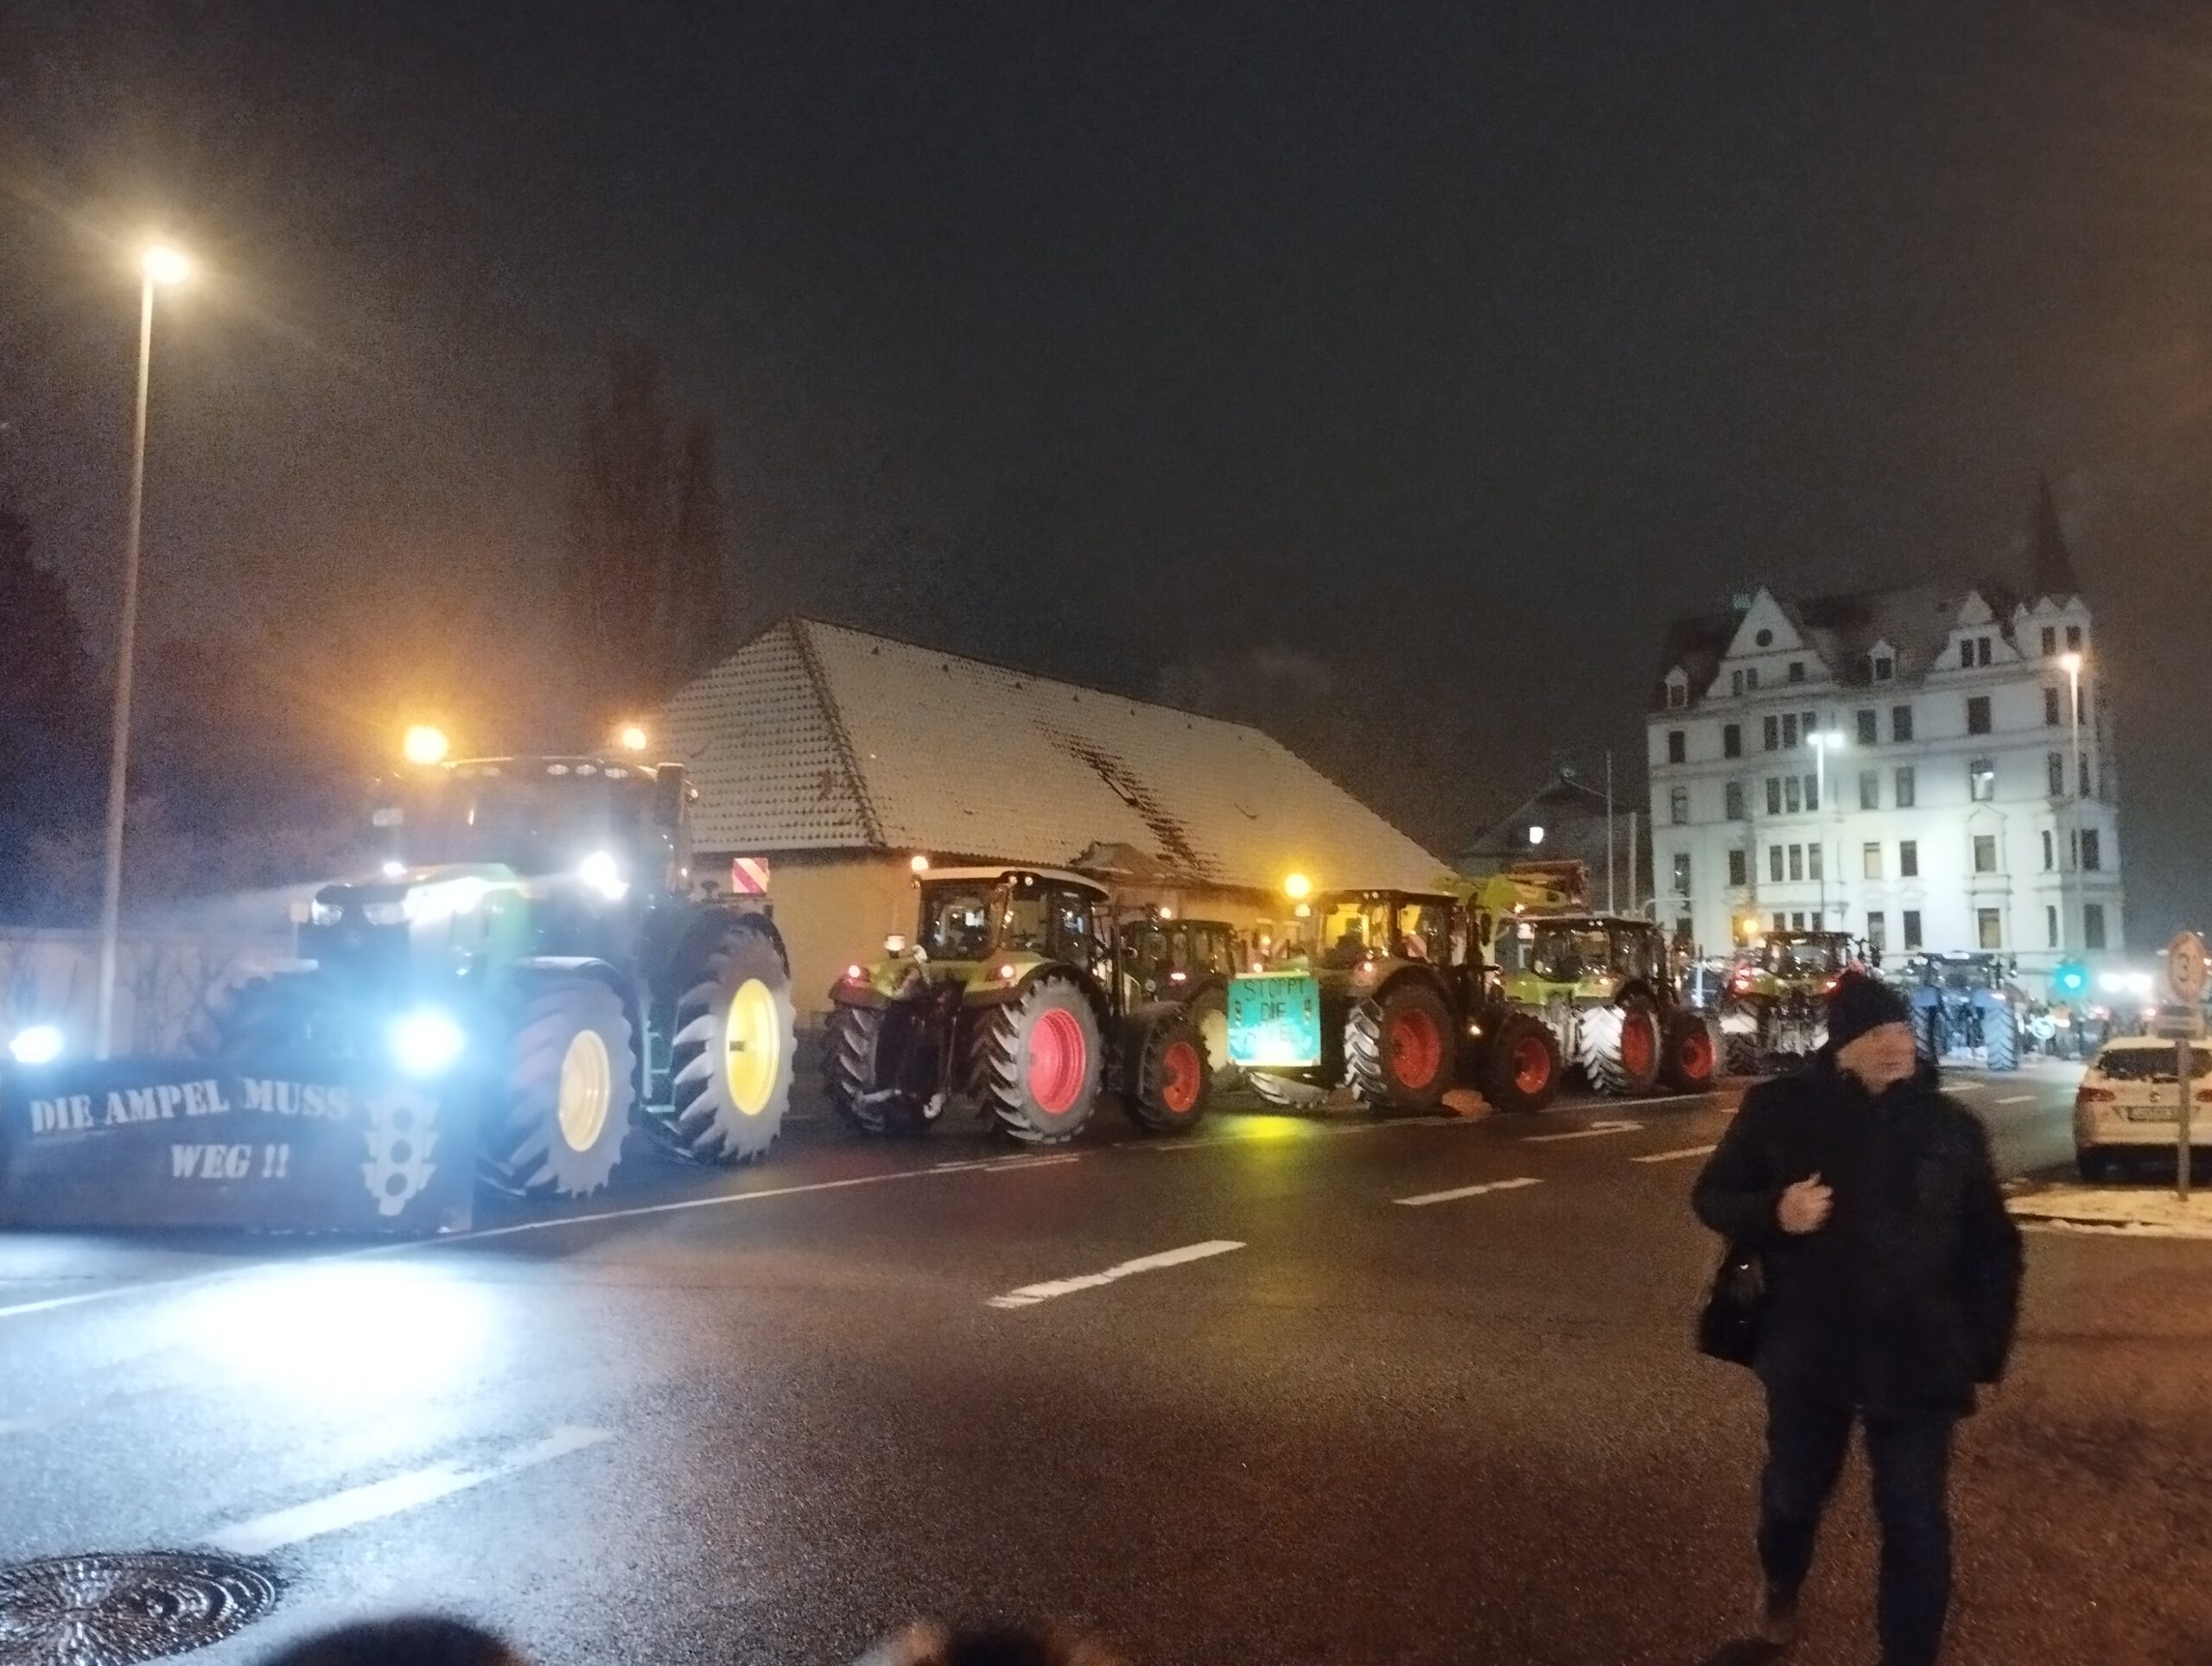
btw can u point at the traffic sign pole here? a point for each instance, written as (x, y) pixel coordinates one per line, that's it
(2185, 980)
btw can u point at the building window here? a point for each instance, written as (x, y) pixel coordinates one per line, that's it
(1739, 866)
(1981, 779)
(1812, 792)
(2053, 714)
(1793, 793)
(1977, 714)
(2046, 850)
(1678, 746)
(1812, 722)
(1908, 860)
(1884, 668)
(2092, 925)
(2051, 925)
(1796, 670)
(1771, 734)
(1878, 932)
(1869, 855)
(1869, 789)
(1813, 861)
(1900, 722)
(1905, 786)
(1789, 731)
(1735, 683)
(1682, 929)
(1774, 866)
(1677, 696)
(2093, 858)
(2074, 638)
(1912, 930)
(1751, 678)
(1774, 795)
(1985, 853)
(1731, 741)
(2049, 639)
(1797, 920)
(1678, 806)
(1870, 727)
(1681, 873)
(1989, 927)
(2054, 771)
(1733, 798)
(1796, 862)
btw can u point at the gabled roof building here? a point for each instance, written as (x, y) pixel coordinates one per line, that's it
(832, 757)
(1929, 768)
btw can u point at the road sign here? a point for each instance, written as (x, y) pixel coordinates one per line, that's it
(2185, 969)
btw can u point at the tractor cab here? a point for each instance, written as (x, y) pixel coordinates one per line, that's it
(1577, 956)
(1368, 928)
(1163, 957)
(1785, 964)
(997, 924)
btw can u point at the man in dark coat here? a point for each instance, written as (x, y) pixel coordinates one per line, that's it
(1893, 1283)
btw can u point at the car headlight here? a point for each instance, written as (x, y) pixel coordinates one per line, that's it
(35, 1044)
(427, 1041)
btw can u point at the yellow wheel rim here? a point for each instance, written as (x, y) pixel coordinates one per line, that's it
(753, 1048)
(587, 1091)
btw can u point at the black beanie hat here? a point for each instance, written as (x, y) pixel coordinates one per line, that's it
(1860, 1003)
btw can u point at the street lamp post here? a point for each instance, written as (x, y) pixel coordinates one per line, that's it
(159, 266)
(2070, 662)
(1823, 743)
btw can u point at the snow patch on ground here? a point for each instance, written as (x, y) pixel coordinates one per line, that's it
(2134, 1210)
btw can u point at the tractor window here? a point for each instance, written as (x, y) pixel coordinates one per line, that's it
(1424, 932)
(1352, 929)
(955, 922)
(1803, 957)
(1633, 955)
(1071, 932)
(1566, 953)
(534, 821)
(1212, 951)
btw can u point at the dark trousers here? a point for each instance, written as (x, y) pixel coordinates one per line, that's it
(1910, 1458)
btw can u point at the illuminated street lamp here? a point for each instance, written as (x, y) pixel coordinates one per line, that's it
(1824, 743)
(633, 737)
(158, 266)
(2070, 662)
(1297, 888)
(424, 745)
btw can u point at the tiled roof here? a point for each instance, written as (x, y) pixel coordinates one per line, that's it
(816, 737)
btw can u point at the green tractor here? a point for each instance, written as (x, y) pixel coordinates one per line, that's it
(1164, 958)
(1775, 1009)
(1602, 985)
(1398, 1006)
(1010, 995)
(534, 946)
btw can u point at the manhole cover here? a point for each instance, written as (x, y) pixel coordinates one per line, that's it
(107, 1611)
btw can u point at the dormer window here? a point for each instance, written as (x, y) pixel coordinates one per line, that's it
(1884, 668)
(1678, 696)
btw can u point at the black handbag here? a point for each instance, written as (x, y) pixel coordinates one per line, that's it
(1734, 1308)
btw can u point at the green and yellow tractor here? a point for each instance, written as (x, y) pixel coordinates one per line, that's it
(1776, 1007)
(533, 946)
(1397, 1004)
(1010, 995)
(1603, 986)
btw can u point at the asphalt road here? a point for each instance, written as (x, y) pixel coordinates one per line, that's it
(1292, 1390)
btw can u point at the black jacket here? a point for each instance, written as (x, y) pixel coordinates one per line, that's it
(1909, 1295)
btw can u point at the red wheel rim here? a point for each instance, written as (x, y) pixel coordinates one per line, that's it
(1696, 1054)
(1639, 1047)
(1058, 1061)
(1416, 1049)
(1532, 1064)
(1179, 1074)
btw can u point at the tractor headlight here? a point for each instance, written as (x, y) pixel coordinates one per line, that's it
(604, 874)
(36, 1044)
(430, 902)
(324, 913)
(426, 1041)
(395, 912)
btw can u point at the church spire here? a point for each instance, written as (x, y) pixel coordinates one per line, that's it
(2053, 561)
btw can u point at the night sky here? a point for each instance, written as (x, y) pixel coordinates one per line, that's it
(1388, 373)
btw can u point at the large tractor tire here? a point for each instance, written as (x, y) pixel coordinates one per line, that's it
(1692, 1056)
(557, 1131)
(1743, 1040)
(1166, 1082)
(1521, 1063)
(729, 1079)
(1621, 1050)
(1036, 1062)
(2000, 1037)
(1928, 1029)
(1210, 1010)
(1399, 1050)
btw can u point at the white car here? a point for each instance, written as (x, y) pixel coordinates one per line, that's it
(2130, 1099)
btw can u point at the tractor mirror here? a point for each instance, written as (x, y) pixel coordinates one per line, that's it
(671, 795)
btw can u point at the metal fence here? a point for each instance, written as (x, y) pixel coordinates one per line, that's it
(164, 982)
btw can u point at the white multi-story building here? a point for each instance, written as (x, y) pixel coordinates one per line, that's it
(1927, 767)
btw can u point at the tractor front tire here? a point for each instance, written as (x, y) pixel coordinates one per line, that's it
(1621, 1052)
(1167, 1082)
(1743, 1040)
(570, 1090)
(729, 1079)
(1399, 1051)
(1520, 1065)
(2000, 1038)
(1036, 1062)
(852, 1069)
(1693, 1061)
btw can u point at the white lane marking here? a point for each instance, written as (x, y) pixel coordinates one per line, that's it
(1593, 1131)
(1675, 1155)
(1468, 1192)
(1964, 1087)
(380, 1499)
(2018, 1099)
(1678, 1098)
(1030, 1295)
